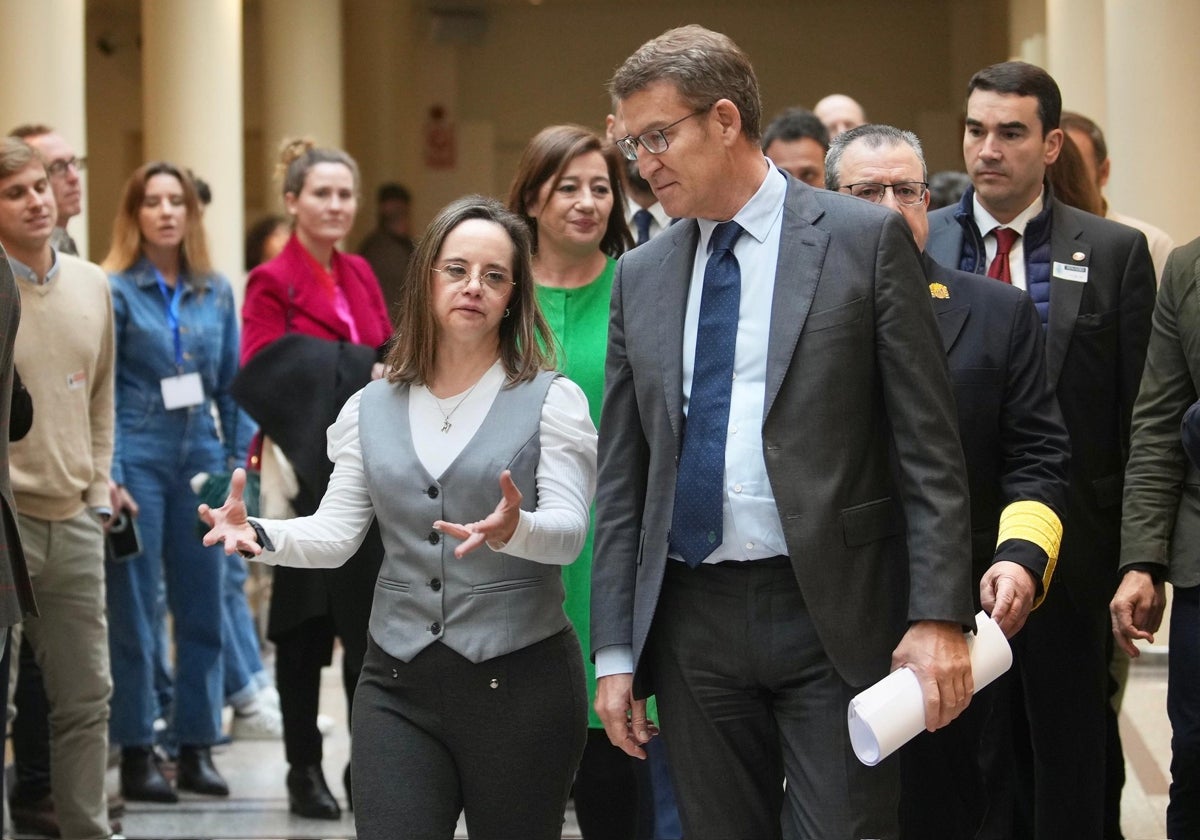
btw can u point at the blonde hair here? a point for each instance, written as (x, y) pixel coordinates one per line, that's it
(127, 239)
(15, 155)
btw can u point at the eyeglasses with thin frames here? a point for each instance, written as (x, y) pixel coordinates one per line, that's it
(655, 142)
(455, 275)
(60, 166)
(907, 193)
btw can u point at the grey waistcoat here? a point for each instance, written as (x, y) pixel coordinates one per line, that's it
(487, 603)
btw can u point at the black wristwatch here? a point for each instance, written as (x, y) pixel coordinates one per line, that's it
(260, 535)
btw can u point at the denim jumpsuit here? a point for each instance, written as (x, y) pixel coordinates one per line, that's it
(156, 454)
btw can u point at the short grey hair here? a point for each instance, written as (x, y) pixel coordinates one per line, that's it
(875, 136)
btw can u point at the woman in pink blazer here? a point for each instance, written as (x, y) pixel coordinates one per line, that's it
(313, 289)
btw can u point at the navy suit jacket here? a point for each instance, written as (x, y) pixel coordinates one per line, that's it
(1096, 340)
(1013, 437)
(1191, 433)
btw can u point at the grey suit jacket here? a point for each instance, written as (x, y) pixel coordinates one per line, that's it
(855, 374)
(1096, 339)
(1161, 520)
(16, 592)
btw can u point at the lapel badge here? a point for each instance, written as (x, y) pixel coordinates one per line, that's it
(939, 291)
(1078, 256)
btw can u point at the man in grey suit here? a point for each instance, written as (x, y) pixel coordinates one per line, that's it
(16, 592)
(1160, 525)
(756, 621)
(1092, 281)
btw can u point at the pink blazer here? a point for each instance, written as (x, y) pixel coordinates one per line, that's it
(282, 296)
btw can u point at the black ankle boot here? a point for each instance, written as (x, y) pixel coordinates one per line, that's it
(197, 773)
(141, 777)
(308, 795)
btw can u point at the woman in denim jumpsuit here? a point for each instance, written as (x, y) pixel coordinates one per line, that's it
(177, 352)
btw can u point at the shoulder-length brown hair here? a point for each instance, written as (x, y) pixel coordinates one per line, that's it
(1070, 180)
(546, 158)
(126, 248)
(526, 341)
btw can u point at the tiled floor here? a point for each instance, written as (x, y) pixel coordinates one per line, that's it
(257, 807)
(1146, 739)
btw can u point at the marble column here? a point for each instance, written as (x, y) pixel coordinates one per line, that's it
(192, 109)
(42, 64)
(1153, 116)
(302, 77)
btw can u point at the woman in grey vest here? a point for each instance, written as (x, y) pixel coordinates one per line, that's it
(479, 463)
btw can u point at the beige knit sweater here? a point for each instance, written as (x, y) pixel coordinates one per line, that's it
(64, 351)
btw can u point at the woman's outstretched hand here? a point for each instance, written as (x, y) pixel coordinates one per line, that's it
(497, 528)
(228, 524)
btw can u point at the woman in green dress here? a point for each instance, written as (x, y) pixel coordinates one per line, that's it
(567, 188)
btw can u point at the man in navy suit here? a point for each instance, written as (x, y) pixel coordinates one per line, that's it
(1092, 281)
(755, 643)
(1016, 449)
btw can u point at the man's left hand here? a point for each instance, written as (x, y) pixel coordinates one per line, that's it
(936, 651)
(1006, 592)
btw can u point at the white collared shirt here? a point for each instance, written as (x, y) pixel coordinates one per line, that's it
(751, 526)
(26, 273)
(566, 476)
(750, 520)
(987, 225)
(659, 220)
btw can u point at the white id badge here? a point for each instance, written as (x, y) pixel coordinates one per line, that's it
(182, 391)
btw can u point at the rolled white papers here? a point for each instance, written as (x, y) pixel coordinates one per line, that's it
(892, 712)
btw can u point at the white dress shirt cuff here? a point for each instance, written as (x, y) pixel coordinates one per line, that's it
(520, 535)
(614, 659)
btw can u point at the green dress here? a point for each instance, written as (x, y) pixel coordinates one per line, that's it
(579, 319)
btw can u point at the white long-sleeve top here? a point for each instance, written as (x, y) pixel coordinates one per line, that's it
(566, 476)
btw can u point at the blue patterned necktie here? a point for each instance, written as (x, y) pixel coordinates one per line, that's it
(641, 220)
(696, 525)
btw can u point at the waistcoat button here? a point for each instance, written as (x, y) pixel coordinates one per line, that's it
(435, 584)
(435, 628)
(434, 538)
(432, 491)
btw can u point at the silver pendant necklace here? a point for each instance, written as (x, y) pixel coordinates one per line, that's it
(446, 415)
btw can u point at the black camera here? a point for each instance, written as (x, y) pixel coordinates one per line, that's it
(123, 541)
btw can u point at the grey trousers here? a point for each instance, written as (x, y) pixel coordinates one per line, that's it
(498, 740)
(748, 698)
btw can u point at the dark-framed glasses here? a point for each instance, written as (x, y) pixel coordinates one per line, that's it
(907, 193)
(655, 142)
(59, 167)
(456, 275)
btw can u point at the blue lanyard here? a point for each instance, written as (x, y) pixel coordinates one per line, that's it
(172, 302)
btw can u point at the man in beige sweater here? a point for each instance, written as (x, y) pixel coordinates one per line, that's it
(64, 350)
